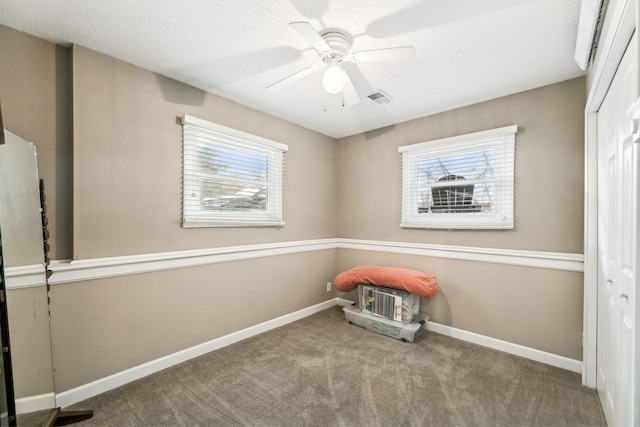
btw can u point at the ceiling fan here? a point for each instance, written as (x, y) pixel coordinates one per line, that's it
(333, 47)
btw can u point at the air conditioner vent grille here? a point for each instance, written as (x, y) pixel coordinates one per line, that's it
(379, 96)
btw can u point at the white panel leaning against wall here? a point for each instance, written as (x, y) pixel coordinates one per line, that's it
(230, 178)
(461, 182)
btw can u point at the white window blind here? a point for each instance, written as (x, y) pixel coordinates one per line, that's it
(460, 182)
(230, 178)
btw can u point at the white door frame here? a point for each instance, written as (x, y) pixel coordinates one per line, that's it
(611, 47)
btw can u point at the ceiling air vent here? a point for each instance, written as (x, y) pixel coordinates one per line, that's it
(379, 96)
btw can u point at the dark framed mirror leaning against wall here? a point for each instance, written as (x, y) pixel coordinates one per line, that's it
(27, 370)
(25, 277)
(7, 397)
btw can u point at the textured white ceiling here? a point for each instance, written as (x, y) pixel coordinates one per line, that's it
(467, 51)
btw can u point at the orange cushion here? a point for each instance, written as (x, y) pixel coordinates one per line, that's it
(415, 282)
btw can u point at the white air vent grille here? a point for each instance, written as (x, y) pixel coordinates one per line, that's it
(379, 96)
(592, 13)
(598, 29)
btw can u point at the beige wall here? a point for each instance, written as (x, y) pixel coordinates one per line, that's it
(35, 93)
(105, 326)
(548, 183)
(128, 168)
(35, 99)
(534, 307)
(127, 154)
(125, 199)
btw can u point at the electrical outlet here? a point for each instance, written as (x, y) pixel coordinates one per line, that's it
(328, 286)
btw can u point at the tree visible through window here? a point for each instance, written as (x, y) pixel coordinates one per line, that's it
(230, 178)
(459, 182)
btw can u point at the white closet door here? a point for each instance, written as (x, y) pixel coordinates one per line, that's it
(606, 259)
(617, 244)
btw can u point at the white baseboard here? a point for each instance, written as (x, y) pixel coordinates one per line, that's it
(496, 344)
(507, 347)
(35, 403)
(102, 385)
(344, 302)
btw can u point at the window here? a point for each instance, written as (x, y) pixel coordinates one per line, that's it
(459, 182)
(230, 178)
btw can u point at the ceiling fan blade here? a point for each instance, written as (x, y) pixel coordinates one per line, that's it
(310, 34)
(349, 91)
(390, 54)
(293, 77)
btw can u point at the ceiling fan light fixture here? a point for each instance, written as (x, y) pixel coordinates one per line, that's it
(333, 46)
(333, 80)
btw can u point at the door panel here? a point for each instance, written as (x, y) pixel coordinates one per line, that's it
(606, 260)
(617, 244)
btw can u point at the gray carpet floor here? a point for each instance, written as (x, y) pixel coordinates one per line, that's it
(321, 371)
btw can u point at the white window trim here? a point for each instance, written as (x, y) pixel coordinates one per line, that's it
(501, 138)
(252, 143)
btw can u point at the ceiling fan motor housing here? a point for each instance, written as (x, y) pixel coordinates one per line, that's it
(340, 45)
(333, 46)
